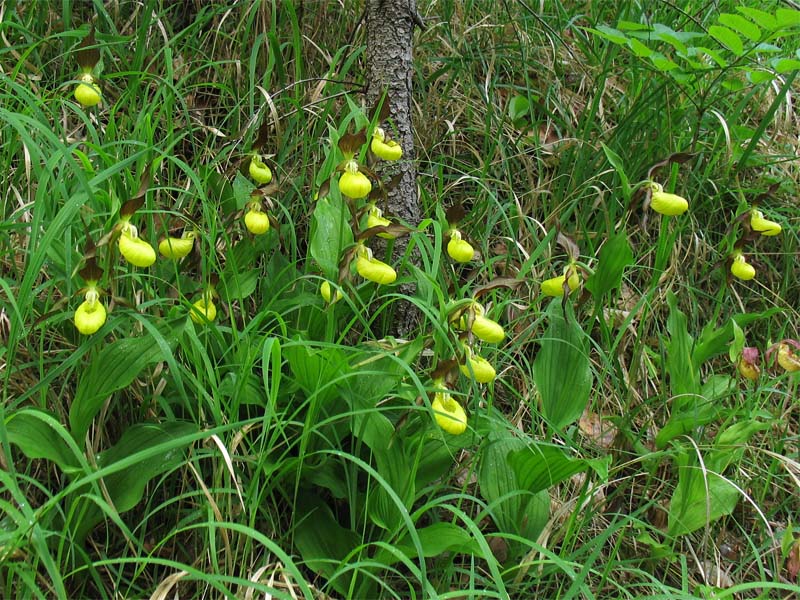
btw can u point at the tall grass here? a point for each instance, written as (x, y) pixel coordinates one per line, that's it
(288, 447)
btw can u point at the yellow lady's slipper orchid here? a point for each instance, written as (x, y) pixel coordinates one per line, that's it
(481, 369)
(91, 314)
(354, 183)
(256, 221)
(554, 286)
(390, 150)
(458, 249)
(373, 269)
(665, 203)
(259, 170)
(448, 413)
(487, 330)
(788, 359)
(326, 291)
(741, 269)
(748, 364)
(763, 226)
(375, 218)
(204, 310)
(135, 250)
(483, 328)
(87, 92)
(176, 248)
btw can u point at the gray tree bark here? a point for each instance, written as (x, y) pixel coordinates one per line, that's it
(390, 31)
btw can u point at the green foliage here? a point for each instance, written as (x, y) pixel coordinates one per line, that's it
(562, 371)
(289, 444)
(517, 510)
(703, 493)
(113, 368)
(330, 235)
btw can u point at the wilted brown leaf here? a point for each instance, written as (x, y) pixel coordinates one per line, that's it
(596, 429)
(793, 562)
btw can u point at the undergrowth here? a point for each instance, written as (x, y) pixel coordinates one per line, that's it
(204, 391)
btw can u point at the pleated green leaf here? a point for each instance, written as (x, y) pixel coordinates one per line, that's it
(561, 369)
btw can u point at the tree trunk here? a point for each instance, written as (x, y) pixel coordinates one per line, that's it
(390, 30)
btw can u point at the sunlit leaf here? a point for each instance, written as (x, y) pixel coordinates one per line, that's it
(762, 18)
(741, 25)
(631, 26)
(786, 65)
(639, 49)
(662, 63)
(712, 54)
(610, 34)
(728, 38)
(787, 17)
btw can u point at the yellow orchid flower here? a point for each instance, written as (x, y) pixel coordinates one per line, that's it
(326, 291)
(763, 226)
(477, 367)
(390, 150)
(373, 269)
(87, 92)
(134, 249)
(449, 414)
(741, 269)
(459, 249)
(204, 310)
(353, 183)
(176, 248)
(665, 203)
(259, 170)
(91, 314)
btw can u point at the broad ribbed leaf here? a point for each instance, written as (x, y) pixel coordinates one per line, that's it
(541, 466)
(321, 541)
(615, 256)
(112, 369)
(515, 509)
(330, 234)
(683, 376)
(700, 498)
(561, 369)
(39, 435)
(435, 540)
(518, 107)
(126, 486)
